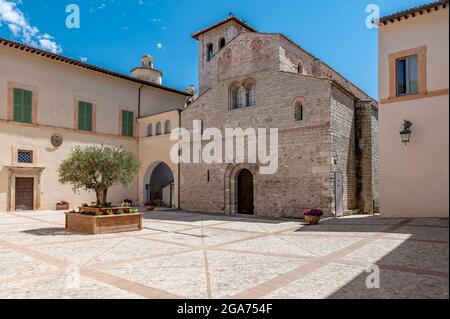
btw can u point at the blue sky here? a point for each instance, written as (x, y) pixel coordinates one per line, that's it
(115, 33)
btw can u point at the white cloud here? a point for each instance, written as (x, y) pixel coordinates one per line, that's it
(83, 59)
(23, 30)
(159, 46)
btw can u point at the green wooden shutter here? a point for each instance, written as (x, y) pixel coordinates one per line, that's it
(23, 105)
(127, 123)
(85, 116)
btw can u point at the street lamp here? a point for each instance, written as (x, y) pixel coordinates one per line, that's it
(406, 132)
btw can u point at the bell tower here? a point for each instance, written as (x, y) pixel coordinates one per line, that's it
(211, 41)
(146, 71)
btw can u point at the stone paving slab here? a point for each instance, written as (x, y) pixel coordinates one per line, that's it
(184, 255)
(54, 287)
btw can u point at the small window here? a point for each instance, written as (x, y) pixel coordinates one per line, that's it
(158, 128)
(221, 43)
(22, 106)
(167, 127)
(407, 76)
(85, 116)
(300, 67)
(150, 130)
(237, 98)
(209, 52)
(127, 123)
(25, 157)
(299, 112)
(250, 95)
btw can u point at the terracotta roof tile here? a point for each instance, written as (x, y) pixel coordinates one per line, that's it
(413, 11)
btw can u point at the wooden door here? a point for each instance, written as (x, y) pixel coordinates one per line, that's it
(245, 193)
(24, 193)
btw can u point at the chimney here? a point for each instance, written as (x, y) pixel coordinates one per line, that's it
(146, 71)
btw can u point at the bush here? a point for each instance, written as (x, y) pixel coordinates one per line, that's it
(150, 203)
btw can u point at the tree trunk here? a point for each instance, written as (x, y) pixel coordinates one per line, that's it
(101, 194)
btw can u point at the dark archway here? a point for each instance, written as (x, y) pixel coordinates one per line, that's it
(161, 188)
(245, 193)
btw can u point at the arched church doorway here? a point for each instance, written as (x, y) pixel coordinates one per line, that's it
(245, 193)
(161, 188)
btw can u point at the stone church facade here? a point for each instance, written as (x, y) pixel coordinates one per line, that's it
(328, 156)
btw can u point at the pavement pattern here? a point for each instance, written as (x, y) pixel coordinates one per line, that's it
(182, 255)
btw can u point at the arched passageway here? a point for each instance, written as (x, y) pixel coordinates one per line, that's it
(160, 187)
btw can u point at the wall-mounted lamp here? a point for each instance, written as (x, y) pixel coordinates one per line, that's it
(406, 132)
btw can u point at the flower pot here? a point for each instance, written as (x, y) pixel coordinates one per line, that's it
(150, 208)
(62, 207)
(312, 220)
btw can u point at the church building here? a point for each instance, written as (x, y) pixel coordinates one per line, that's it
(328, 128)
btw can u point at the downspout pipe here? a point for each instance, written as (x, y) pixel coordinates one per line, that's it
(138, 140)
(139, 100)
(179, 164)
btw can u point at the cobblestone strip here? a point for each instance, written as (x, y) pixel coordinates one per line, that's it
(31, 276)
(260, 253)
(205, 261)
(269, 286)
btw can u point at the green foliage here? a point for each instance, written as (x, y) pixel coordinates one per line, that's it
(98, 168)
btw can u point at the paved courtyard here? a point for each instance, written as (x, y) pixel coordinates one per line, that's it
(181, 255)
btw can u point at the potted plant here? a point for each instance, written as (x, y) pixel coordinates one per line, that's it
(98, 168)
(62, 205)
(150, 205)
(312, 216)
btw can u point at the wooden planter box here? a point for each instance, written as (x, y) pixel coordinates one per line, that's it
(62, 207)
(105, 224)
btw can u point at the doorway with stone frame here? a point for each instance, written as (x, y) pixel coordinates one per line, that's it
(238, 176)
(24, 188)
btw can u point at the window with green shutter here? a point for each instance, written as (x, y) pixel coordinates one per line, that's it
(85, 116)
(127, 123)
(23, 106)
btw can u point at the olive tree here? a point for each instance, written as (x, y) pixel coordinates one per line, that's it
(97, 168)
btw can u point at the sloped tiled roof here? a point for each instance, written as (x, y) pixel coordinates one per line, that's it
(414, 11)
(218, 24)
(62, 59)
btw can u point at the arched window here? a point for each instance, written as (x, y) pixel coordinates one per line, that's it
(150, 130)
(158, 128)
(301, 67)
(299, 111)
(167, 127)
(237, 97)
(209, 52)
(221, 43)
(250, 95)
(202, 126)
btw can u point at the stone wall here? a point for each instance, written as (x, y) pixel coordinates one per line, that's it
(343, 135)
(367, 156)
